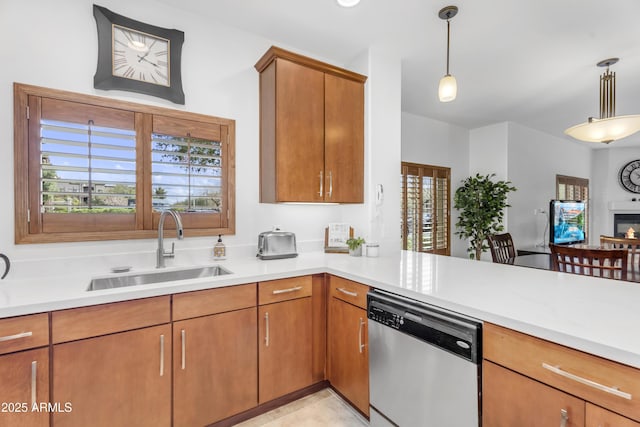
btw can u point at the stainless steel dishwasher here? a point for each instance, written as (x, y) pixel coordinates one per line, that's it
(424, 364)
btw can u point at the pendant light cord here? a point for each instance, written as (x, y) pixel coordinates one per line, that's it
(448, 36)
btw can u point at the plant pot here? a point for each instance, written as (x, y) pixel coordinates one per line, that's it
(356, 252)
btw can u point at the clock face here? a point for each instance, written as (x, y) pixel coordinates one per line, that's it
(140, 56)
(630, 176)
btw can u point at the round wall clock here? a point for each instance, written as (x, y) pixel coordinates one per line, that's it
(630, 176)
(138, 57)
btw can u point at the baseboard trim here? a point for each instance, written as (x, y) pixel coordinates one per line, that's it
(273, 404)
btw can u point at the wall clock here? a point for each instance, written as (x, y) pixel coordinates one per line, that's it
(630, 176)
(138, 57)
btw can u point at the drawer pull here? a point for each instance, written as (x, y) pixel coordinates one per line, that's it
(360, 343)
(161, 355)
(564, 417)
(183, 340)
(16, 336)
(285, 291)
(351, 294)
(34, 377)
(610, 390)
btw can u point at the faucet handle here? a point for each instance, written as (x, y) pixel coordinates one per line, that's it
(170, 254)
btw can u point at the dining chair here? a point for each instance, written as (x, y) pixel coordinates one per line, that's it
(502, 248)
(632, 246)
(608, 263)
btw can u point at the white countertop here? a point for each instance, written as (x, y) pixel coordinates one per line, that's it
(598, 316)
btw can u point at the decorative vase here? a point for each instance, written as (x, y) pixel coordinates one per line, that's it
(356, 252)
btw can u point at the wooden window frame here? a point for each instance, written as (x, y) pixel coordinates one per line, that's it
(27, 170)
(420, 168)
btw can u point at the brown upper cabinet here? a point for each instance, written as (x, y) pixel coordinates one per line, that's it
(311, 130)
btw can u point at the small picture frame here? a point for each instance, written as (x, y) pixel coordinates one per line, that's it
(335, 238)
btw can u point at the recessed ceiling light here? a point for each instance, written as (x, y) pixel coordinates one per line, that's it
(348, 3)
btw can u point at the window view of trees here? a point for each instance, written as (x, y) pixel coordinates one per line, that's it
(186, 173)
(87, 169)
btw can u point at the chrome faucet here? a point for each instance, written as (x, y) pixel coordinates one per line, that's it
(161, 254)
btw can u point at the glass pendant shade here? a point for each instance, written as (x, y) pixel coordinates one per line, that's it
(605, 130)
(608, 127)
(448, 88)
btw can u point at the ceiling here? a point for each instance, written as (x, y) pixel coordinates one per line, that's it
(532, 62)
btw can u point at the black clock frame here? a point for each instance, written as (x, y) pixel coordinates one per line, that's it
(628, 184)
(104, 78)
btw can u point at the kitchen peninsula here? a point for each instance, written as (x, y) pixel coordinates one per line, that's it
(587, 314)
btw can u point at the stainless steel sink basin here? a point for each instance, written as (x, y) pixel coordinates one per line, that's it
(123, 280)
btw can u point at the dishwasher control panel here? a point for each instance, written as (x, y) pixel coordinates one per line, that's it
(387, 318)
(446, 330)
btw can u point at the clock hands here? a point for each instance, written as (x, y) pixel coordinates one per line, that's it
(144, 58)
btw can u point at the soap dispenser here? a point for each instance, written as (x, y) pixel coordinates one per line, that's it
(219, 251)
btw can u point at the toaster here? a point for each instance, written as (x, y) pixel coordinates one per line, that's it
(276, 244)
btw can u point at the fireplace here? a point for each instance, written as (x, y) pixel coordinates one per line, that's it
(622, 222)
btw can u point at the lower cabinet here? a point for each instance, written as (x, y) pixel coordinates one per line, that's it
(600, 417)
(510, 399)
(528, 381)
(285, 337)
(24, 387)
(215, 367)
(284, 350)
(123, 379)
(349, 357)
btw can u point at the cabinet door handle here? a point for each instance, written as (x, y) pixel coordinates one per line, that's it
(611, 390)
(321, 192)
(266, 333)
(351, 294)
(183, 337)
(330, 184)
(285, 291)
(564, 417)
(360, 340)
(161, 355)
(16, 336)
(34, 384)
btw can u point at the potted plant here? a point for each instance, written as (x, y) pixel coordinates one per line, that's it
(355, 246)
(481, 202)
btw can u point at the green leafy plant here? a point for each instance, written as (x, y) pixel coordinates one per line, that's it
(481, 202)
(354, 242)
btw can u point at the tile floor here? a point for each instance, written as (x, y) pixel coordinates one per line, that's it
(321, 409)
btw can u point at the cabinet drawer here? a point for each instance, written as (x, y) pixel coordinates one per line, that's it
(212, 301)
(284, 289)
(85, 322)
(594, 379)
(349, 291)
(22, 332)
(600, 417)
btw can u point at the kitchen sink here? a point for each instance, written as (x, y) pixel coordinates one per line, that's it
(120, 281)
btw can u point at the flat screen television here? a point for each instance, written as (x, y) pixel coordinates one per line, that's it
(566, 222)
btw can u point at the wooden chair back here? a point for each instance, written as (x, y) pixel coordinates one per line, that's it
(632, 247)
(608, 263)
(502, 248)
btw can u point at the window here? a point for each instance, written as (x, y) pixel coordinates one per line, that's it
(425, 216)
(573, 188)
(89, 168)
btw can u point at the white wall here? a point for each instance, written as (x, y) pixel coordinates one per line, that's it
(535, 158)
(437, 143)
(606, 188)
(58, 49)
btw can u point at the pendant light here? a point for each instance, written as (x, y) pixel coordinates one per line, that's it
(608, 127)
(448, 88)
